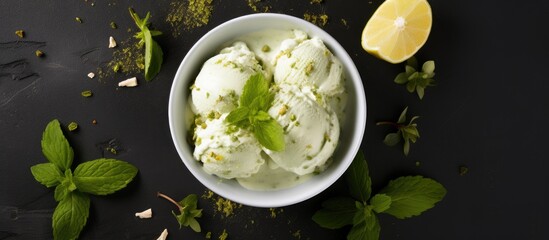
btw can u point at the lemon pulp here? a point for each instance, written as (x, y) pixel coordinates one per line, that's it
(398, 29)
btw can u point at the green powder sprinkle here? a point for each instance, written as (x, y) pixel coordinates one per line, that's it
(186, 15)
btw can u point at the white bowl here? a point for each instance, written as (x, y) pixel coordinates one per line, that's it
(179, 114)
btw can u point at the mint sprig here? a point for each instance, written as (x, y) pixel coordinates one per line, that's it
(254, 103)
(188, 211)
(403, 197)
(153, 52)
(407, 132)
(98, 177)
(417, 80)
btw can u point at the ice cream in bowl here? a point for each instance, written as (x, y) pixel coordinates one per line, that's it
(267, 110)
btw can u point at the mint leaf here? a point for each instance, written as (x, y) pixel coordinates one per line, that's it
(428, 67)
(153, 52)
(368, 229)
(412, 195)
(65, 187)
(336, 213)
(103, 176)
(188, 211)
(270, 134)
(55, 146)
(402, 117)
(256, 87)
(70, 216)
(48, 174)
(252, 114)
(237, 115)
(262, 116)
(392, 139)
(153, 56)
(358, 178)
(380, 202)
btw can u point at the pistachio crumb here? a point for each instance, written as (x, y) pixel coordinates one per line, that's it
(20, 33)
(79, 20)
(87, 93)
(72, 126)
(266, 48)
(309, 68)
(39, 53)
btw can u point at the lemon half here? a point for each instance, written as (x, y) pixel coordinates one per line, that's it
(398, 29)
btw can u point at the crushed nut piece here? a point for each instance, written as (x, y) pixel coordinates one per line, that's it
(130, 82)
(91, 75)
(20, 33)
(163, 235)
(39, 53)
(112, 42)
(145, 214)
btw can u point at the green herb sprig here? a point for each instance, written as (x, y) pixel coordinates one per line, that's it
(153, 52)
(255, 101)
(188, 211)
(408, 132)
(417, 81)
(99, 177)
(402, 198)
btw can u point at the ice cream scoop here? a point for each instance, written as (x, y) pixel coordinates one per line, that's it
(310, 64)
(311, 132)
(226, 151)
(221, 79)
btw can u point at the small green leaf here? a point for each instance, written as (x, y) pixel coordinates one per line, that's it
(380, 202)
(336, 213)
(412, 195)
(55, 146)
(413, 119)
(65, 187)
(420, 91)
(70, 216)
(411, 86)
(270, 135)
(61, 191)
(412, 62)
(402, 117)
(358, 178)
(413, 76)
(366, 230)
(256, 87)
(428, 67)
(237, 115)
(411, 130)
(195, 226)
(152, 67)
(188, 213)
(103, 176)
(406, 147)
(401, 78)
(47, 174)
(392, 139)
(262, 116)
(409, 71)
(153, 52)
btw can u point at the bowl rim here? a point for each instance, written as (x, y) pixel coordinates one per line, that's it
(358, 127)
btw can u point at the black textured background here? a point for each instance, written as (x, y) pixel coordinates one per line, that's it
(489, 112)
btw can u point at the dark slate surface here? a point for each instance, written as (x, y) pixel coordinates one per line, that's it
(489, 112)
